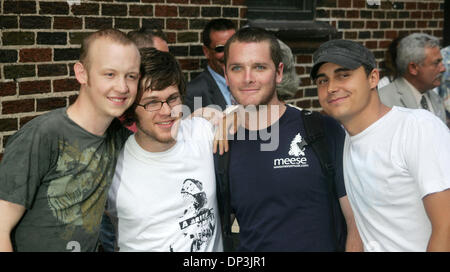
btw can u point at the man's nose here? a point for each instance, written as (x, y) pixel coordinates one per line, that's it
(249, 76)
(122, 85)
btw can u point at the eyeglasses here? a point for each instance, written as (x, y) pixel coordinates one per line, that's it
(156, 105)
(219, 48)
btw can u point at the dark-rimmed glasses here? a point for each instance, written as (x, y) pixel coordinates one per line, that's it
(156, 105)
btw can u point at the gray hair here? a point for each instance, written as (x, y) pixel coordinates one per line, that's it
(289, 85)
(412, 49)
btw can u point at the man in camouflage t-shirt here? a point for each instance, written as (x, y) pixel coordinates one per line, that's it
(57, 169)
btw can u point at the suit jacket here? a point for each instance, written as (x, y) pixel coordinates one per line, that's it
(205, 87)
(399, 93)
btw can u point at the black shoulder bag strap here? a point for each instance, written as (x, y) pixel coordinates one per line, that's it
(223, 198)
(315, 137)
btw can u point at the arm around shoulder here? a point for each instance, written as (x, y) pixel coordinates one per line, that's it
(10, 214)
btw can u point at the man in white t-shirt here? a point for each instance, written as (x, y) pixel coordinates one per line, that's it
(163, 195)
(396, 160)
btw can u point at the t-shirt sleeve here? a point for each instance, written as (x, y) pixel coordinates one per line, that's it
(203, 129)
(336, 137)
(427, 153)
(26, 160)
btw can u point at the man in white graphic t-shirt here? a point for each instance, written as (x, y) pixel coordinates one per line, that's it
(163, 195)
(395, 159)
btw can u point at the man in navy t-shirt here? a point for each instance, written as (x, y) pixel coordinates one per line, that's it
(278, 191)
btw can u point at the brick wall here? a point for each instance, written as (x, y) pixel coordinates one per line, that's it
(372, 25)
(40, 41)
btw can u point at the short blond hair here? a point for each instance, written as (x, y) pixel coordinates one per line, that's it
(114, 35)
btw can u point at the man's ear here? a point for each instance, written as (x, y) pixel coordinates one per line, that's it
(279, 73)
(81, 73)
(205, 51)
(413, 68)
(374, 77)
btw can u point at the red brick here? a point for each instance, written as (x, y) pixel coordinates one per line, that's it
(189, 64)
(153, 1)
(304, 59)
(427, 15)
(24, 120)
(46, 104)
(350, 35)
(305, 104)
(391, 34)
(141, 10)
(357, 24)
(72, 99)
(437, 33)
(410, 5)
(242, 14)
(416, 15)
(67, 23)
(385, 44)
(371, 24)
(359, 3)
(439, 15)
(238, 3)
(399, 24)
(86, 9)
(352, 14)
(35, 55)
(422, 6)
(34, 87)
(65, 85)
(371, 44)
(166, 11)
(422, 24)
(306, 81)
(221, 2)
(171, 37)
(7, 88)
(300, 70)
(344, 3)
(8, 124)
(316, 103)
(178, 24)
(18, 106)
(178, 1)
(204, 2)
(434, 6)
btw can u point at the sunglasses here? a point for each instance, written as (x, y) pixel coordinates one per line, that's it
(219, 48)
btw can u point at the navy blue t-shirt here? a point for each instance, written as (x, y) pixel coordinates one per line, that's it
(280, 197)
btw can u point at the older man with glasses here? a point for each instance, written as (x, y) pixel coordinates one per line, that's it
(209, 87)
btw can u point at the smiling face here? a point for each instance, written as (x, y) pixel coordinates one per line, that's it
(111, 78)
(251, 73)
(157, 130)
(346, 94)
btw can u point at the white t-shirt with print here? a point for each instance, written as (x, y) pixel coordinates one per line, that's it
(389, 168)
(166, 201)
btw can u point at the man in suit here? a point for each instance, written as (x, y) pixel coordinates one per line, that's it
(210, 88)
(419, 62)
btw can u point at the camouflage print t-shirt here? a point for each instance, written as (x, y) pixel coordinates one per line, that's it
(61, 174)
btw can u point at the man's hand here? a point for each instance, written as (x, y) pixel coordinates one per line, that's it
(228, 125)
